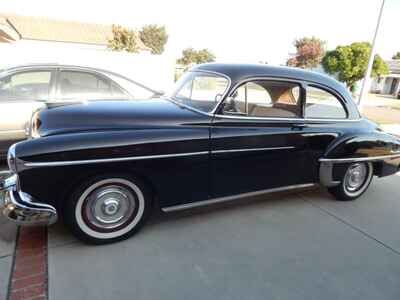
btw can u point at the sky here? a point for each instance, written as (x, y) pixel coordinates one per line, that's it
(236, 31)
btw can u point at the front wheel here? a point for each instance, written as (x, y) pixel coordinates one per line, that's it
(354, 182)
(107, 208)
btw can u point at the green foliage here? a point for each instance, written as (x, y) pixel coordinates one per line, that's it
(350, 63)
(191, 56)
(123, 39)
(155, 37)
(396, 56)
(309, 53)
(379, 67)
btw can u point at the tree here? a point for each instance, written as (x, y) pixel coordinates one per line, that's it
(396, 56)
(350, 63)
(191, 56)
(124, 39)
(155, 37)
(309, 53)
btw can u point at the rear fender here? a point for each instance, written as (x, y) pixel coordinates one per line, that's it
(380, 148)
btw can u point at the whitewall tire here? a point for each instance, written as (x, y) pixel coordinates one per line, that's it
(354, 182)
(107, 208)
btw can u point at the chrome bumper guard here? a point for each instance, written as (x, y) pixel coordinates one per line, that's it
(21, 208)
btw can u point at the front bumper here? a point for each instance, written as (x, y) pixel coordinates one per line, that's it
(21, 207)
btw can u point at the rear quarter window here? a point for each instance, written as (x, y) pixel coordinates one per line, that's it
(322, 104)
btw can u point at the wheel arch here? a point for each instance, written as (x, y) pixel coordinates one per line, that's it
(379, 148)
(72, 185)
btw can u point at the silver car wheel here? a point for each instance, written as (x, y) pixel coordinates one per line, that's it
(109, 208)
(357, 178)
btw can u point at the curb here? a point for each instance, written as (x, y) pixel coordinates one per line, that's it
(29, 272)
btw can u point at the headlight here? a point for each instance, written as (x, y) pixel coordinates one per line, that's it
(34, 126)
(11, 159)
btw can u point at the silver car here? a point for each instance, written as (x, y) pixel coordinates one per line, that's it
(24, 89)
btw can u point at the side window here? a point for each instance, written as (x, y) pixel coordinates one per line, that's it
(265, 98)
(322, 104)
(32, 85)
(79, 85)
(202, 91)
(127, 89)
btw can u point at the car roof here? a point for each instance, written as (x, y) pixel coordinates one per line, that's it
(48, 65)
(240, 72)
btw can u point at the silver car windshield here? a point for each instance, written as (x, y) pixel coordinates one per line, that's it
(200, 90)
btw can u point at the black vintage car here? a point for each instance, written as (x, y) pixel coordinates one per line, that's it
(227, 131)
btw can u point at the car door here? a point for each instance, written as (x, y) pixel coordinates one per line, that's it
(21, 93)
(256, 139)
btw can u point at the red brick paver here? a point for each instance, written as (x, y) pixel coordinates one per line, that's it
(29, 277)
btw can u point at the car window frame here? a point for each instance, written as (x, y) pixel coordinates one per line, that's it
(87, 71)
(330, 91)
(34, 70)
(303, 85)
(300, 83)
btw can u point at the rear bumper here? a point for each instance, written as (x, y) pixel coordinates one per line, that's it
(21, 207)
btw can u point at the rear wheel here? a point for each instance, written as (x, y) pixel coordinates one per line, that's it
(354, 182)
(108, 208)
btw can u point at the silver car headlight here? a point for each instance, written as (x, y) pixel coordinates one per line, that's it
(11, 159)
(34, 126)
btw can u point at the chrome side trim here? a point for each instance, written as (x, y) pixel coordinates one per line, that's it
(252, 149)
(355, 159)
(305, 120)
(229, 198)
(106, 160)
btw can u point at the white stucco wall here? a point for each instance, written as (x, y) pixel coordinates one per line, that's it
(155, 71)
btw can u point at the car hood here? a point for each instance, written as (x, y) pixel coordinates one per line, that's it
(112, 115)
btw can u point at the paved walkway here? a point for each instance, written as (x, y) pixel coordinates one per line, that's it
(7, 245)
(7, 239)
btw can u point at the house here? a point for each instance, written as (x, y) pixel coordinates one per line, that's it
(388, 84)
(27, 40)
(39, 30)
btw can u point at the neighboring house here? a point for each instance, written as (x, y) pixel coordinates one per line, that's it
(14, 28)
(26, 40)
(388, 84)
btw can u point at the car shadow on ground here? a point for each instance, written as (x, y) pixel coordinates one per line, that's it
(60, 236)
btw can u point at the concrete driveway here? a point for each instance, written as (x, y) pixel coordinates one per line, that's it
(298, 245)
(7, 244)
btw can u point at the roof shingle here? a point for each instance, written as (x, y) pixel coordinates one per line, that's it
(46, 29)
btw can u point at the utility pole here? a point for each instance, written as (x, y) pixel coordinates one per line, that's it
(367, 79)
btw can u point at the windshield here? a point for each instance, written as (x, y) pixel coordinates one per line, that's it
(200, 90)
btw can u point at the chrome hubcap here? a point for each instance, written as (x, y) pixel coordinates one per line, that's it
(110, 206)
(355, 177)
